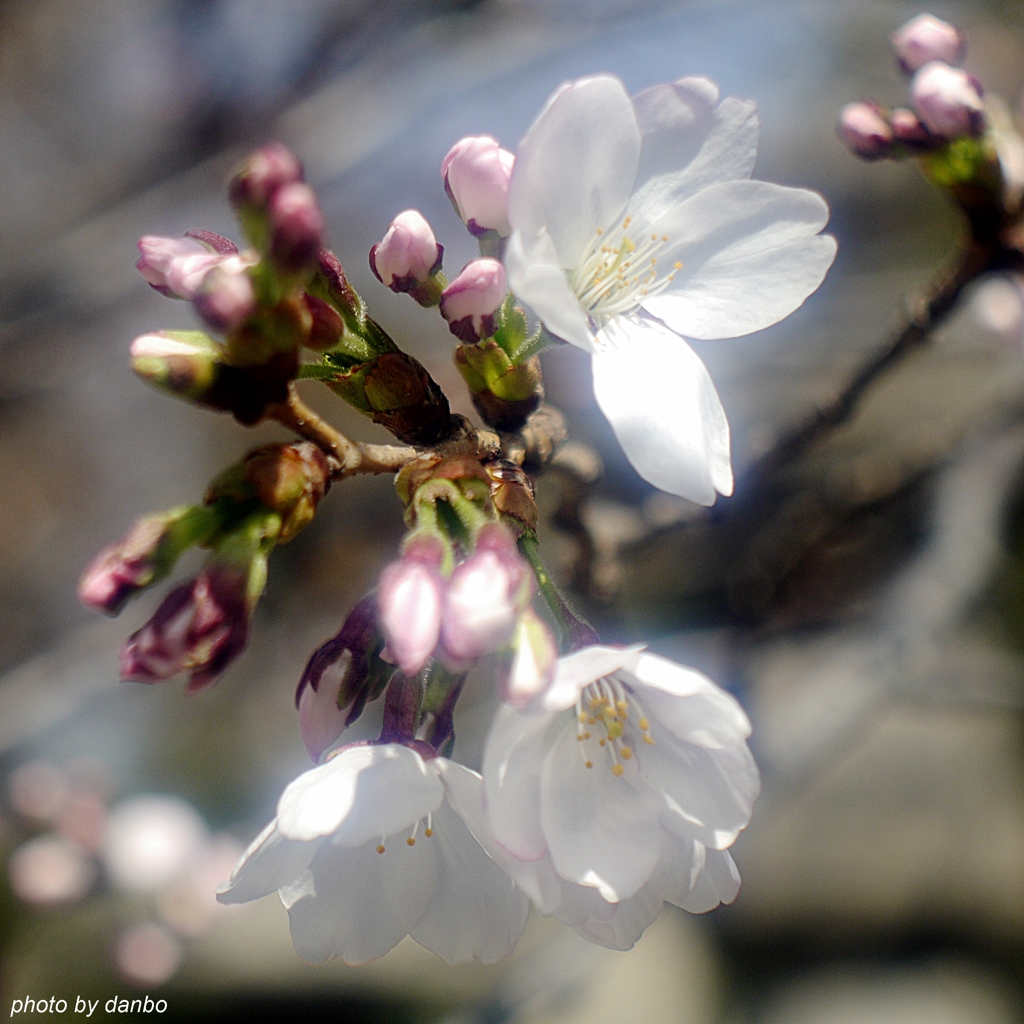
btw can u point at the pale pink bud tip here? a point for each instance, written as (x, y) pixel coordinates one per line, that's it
(408, 254)
(297, 226)
(948, 100)
(263, 174)
(865, 131)
(927, 38)
(909, 130)
(476, 173)
(410, 597)
(485, 596)
(226, 298)
(471, 300)
(174, 266)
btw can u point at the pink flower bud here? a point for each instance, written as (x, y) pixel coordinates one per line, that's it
(410, 597)
(926, 38)
(188, 258)
(485, 596)
(408, 254)
(263, 173)
(476, 175)
(226, 298)
(471, 300)
(533, 663)
(948, 100)
(865, 131)
(296, 226)
(908, 129)
(339, 679)
(200, 628)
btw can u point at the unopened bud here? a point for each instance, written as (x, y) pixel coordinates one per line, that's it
(476, 175)
(865, 131)
(290, 479)
(200, 628)
(471, 300)
(408, 256)
(327, 326)
(927, 38)
(340, 677)
(484, 598)
(533, 661)
(909, 131)
(262, 174)
(226, 298)
(410, 598)
(144, 555)
(505, 394)
(184, 259)
(183, 363)
(296, 227)
(948, 100)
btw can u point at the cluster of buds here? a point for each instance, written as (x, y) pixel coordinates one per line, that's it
(203, 625)
(947, 101)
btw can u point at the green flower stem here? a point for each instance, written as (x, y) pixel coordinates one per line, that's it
(573, 631)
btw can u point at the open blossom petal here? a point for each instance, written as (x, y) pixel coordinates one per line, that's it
(660, 400)
(690, 141)
(750, 254)
(575, 168)
(379, 843)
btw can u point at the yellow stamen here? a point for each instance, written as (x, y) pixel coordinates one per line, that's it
(617, 770)
(380, 849)
(428, 832)
(625, 753)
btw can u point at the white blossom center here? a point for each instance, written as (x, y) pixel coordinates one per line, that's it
(608, 722)
(617, 273)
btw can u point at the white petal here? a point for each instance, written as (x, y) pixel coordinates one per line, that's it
(578, 670)
(627, 924)
(708, 794)
(475, 910)
(534, 276)
(270, 862)
(366, 792)
(512, 763)
(690, 141)
(708, 716)
(340, 909)
(750, 255)
(602, 830)
(719, 882)
(575, 167)
(662, 405)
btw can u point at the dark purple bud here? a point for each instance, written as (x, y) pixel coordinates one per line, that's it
(200, 628)
(296, 226)
(340, 677)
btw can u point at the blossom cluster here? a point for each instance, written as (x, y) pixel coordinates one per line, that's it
(613, 779)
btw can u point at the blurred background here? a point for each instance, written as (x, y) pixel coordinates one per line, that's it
(866, 603)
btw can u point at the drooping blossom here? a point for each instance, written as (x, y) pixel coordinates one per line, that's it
(378, 843)
(471, 300)
(634, 223)
(476, 175)
(620, 787)
(926, 38)
(948, 100)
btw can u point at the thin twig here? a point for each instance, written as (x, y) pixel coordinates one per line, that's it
(922, 317)
(349, 458)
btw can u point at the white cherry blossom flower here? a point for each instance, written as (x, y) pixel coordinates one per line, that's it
(370, 847)
(620, 787)
(634, 222)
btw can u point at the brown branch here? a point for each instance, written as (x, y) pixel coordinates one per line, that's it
(348, 457)
(921, 319)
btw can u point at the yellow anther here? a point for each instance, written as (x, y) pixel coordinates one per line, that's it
(654, 238)
(581, 736)
(677, 265)
(591, 721)
(664, 238)
(600, 231)
(617, 770)
(428, 832)
(380, 849)
(583, 716)
(621, 705)
(627, 222)
(600, 743)
(590, 764)
(649, 740)
(586, 735)
(410, 841)
(644, 724)
(625, 753)
(614, 730)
